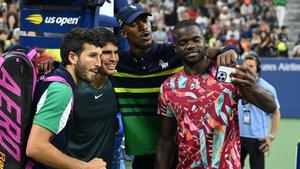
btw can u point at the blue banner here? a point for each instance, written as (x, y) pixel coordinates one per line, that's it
(55, 21)
(284, 75)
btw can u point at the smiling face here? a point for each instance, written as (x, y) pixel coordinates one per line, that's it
(189, 45)
(138, 32)
(88, 62)
(109, 59)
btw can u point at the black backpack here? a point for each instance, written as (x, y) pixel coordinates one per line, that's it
(17, 84)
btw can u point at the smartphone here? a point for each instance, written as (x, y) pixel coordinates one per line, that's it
(224, 74)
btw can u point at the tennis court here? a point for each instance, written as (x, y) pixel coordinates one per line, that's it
(283, 152)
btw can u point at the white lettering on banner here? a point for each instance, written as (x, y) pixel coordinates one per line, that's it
(62, 20)
(284, 67)
(269, 67)
(289, 67)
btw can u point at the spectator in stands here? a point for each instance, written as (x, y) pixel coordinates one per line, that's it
(252, 21)
(224, 16)
(231, 31)
(13, 8)
(282, 44)
(170, 13)
(247, 8)
(182, 11)
(215, 26)
(269, 18)
(232, 41)
(202, 20)
(15, 40)
(238, 20)
(12, 22)
(170, 36)
(283, 35)
(280, 11)
(274, 41)
(159, 35)
(3, 39)
(193, 12)
(296, 51)
(256, 138)
(265, 45)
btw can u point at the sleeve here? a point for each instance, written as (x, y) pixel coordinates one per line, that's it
(54, 107)
(164, 107)
(273, 91)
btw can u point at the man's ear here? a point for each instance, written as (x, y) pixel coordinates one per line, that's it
(123, 33)
(73, 58)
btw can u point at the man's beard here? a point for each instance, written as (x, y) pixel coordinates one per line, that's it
(81, 72)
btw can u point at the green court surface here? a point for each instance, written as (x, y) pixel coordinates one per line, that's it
(283, 151)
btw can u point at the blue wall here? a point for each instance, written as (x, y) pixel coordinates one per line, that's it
(284, 75)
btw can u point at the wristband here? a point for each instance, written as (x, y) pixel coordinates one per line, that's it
(228, 47)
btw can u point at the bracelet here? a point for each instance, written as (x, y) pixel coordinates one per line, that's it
(272, 136)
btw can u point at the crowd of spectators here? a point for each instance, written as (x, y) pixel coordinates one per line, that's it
(250, 25)
(9, 24)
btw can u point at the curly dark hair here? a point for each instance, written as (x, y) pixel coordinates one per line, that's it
(75, 40)
(106, 36)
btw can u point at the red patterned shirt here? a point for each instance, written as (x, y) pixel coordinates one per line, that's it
(207, 119)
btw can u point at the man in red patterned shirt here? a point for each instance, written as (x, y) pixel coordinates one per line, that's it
(203, 110)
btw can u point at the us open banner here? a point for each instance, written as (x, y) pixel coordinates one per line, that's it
(55, 21)
(284, 75)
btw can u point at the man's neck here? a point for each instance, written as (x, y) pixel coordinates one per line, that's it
(99, 81)
(198, 68)
(71, 70)
(138, 52)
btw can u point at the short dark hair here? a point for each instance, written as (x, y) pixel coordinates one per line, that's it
(106, 36)
(254, 56)
(74, 41)
(183, 24)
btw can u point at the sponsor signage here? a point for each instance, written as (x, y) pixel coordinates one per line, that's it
(54, 21)
(284, 75)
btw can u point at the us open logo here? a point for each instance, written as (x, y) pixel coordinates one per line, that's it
(38, 19)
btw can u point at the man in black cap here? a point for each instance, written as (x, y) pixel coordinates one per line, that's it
(141, 71)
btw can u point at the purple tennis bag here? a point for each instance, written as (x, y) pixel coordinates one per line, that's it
(17, 83)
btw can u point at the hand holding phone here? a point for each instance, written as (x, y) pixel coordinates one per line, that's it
(224, 74)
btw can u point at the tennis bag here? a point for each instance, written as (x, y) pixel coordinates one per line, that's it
(17, 83)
